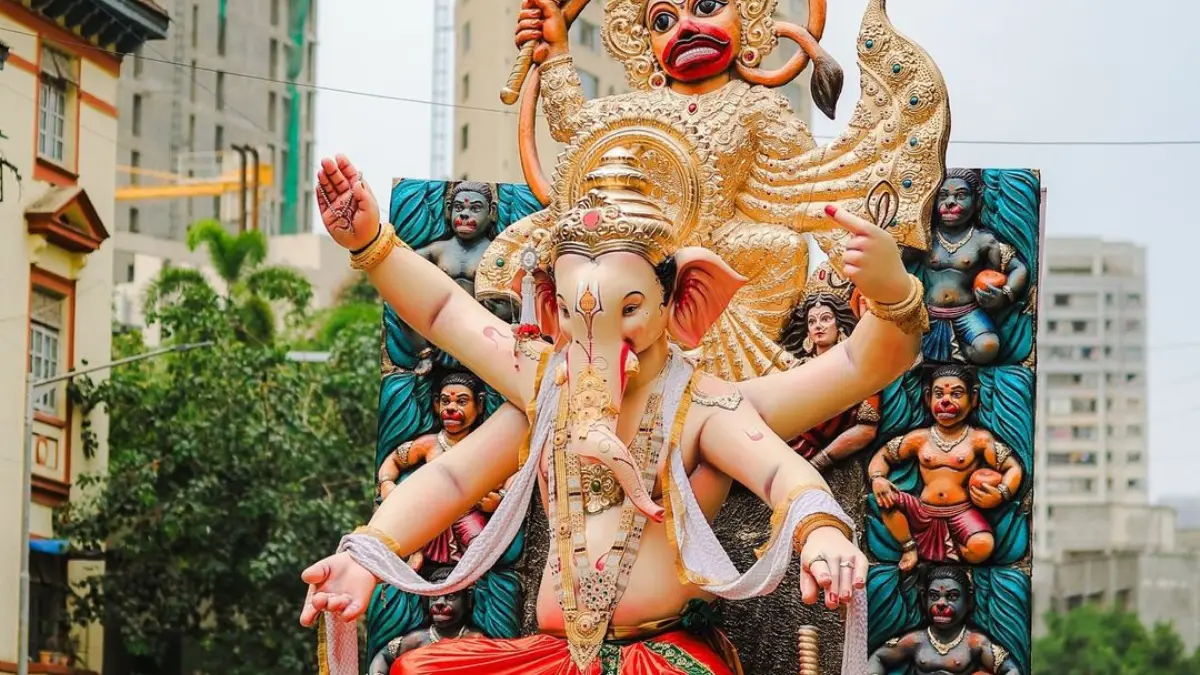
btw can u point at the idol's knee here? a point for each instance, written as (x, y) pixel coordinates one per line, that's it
(979, 548)
(984, 349)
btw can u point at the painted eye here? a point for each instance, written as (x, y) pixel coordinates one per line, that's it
(565, 313)
(629, 310)
(707, 7)
(662, 22)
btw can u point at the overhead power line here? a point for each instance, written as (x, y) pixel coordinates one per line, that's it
(514, 112)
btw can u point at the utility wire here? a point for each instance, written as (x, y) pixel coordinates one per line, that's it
(513, 112)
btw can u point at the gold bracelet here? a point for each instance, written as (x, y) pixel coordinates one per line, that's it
(369, 258)
(815, 522)
(909, 314)
(383, 538)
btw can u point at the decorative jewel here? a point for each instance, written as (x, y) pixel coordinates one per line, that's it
(870, 44)
(947, 445)
(750, 57)
(896, 68)
(952, 247)
(912, 142)
(658, 80)
(601, 491)
(914, 100)
(907, 183)
(944, 648)
(443, 442)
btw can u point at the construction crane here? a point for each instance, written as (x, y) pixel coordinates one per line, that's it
(210, 175)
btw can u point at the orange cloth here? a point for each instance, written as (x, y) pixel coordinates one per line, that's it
(674, 653)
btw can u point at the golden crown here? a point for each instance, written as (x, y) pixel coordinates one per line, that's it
(826, 281)
(615, 214)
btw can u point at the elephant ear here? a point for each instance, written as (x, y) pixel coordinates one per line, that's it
(704, 285)
(545, 299)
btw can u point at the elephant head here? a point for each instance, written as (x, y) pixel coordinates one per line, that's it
(614, 289)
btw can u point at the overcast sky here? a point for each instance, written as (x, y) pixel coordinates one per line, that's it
(1018, 70)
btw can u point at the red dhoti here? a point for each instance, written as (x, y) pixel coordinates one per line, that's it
(448, 547)
(940, 530)
(675, 653)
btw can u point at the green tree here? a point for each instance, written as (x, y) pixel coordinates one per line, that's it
(252, 289)
(230, 470)
(356, 305)
(1094, 641)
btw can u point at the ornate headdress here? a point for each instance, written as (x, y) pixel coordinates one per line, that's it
(825, 281)
(615, 214)
(628, 40)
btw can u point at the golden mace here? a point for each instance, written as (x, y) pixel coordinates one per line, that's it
(809, 652)
(516, 79)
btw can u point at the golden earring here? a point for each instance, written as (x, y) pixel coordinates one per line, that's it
(807, 345)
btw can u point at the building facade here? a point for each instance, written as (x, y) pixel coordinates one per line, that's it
(222, 79)
(484, 131)
(58, 144)
(1092, 395)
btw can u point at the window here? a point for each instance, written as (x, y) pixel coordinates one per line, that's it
(135, 165)
(312, 58)
(221, 35)
(310, 112)
(1060, 406)
(1136, 484)
(219, 138)
(191, 133)
(1072, 459)
(58, 73)
(273, 58)
(274, 12)
(1133, 431)
(1079, 327)
(1134, 299)
(1052, 326)
(137, 115)
(1062, 300)
(272, 111)
(466, 37)
(466, 86)
(45, 346)
(138, 63)
(195, 26)
(1133, 458)
(192, 84)
(130, 273)
(135, 222)
(465, 139)
(591, 85)
(220, 91)
(48, 620)
(586, 34)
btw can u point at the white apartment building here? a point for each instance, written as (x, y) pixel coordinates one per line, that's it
(1092, 446)
(485, 130)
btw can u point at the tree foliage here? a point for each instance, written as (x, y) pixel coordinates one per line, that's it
(230, 470)
(1093, 641)
(252, 290)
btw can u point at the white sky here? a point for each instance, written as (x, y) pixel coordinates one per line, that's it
(1018, 70)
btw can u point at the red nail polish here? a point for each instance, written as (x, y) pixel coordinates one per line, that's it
(830, 210)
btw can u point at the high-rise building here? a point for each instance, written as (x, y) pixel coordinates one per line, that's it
(229, 74)
(1092, 416)
(484, 131)
(59, 65)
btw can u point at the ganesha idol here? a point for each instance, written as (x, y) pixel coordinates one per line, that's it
(736, 169)
(631, 448)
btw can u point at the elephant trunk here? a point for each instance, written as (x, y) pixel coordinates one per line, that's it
(597, 384)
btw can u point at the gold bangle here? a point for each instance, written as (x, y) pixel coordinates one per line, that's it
(383, 538)
(369, 258)
(909, 314)
(815, 522)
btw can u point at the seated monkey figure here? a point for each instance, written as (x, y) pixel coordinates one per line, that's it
(947, 646)
(451, 620)
(964, 470)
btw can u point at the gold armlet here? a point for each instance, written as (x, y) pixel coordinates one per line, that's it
(383, 538)
(370, 257)
(909, 314)
(561, 59)
(815, 522)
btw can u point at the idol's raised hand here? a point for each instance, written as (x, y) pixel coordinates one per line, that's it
(872, 259)
(542, 20)
(348, 207)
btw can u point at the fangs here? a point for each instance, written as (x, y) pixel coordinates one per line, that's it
(696, 54)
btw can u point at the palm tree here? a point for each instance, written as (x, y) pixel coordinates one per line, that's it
(252, 290)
